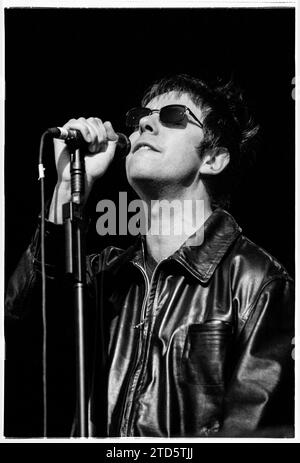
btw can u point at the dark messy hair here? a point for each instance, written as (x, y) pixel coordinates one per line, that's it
(226, 124)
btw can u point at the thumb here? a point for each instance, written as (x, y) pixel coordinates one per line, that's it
(111, 134)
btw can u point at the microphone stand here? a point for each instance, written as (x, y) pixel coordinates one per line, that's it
(76, 268)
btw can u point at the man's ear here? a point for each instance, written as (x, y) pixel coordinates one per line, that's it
(215, 161)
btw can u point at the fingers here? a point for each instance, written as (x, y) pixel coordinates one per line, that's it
(94, 131)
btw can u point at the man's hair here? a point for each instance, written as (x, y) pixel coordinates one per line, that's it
(226, 124)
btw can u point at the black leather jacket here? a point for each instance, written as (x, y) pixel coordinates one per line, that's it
(204, 347)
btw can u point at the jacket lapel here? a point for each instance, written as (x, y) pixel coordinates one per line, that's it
(201, 258)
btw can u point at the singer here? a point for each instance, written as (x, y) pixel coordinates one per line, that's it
(189, 334)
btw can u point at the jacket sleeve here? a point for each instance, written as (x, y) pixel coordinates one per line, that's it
(260, 396)
(24, 341)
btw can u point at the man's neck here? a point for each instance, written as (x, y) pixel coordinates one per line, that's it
(172, 222)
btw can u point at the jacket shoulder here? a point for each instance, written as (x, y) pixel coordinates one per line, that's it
(253, 269)
(261, 258)
(255, 261)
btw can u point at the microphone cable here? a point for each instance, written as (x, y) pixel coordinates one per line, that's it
(41, 178)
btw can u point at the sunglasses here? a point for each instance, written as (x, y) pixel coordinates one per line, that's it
(171, 114)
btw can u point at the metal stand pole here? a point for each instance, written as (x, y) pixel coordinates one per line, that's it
(76, 268)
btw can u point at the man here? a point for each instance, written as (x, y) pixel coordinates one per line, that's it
(189, 333)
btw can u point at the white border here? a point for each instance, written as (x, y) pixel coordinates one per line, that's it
(2, 99)
(297, 232)
(143, 4)
(147, 3)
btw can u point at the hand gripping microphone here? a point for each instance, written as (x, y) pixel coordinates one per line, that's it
(75, 140)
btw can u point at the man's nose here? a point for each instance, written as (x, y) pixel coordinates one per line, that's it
(149, 123)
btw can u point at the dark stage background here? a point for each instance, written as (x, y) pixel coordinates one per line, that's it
(63, 63)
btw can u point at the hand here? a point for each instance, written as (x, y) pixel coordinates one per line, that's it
(101, 145)
(102, 141)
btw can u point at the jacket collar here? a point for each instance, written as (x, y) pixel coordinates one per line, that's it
(200, 254)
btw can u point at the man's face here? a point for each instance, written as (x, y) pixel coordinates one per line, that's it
(171, 159)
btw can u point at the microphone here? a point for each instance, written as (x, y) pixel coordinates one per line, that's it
(75, 140)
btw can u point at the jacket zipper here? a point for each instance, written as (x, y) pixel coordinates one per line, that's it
(137, 353)
(139, 349)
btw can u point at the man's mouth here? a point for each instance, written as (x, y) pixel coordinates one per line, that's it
(144, 146)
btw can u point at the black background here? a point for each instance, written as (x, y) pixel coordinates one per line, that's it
(63, 63)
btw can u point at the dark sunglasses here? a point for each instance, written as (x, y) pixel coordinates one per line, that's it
(171, 114)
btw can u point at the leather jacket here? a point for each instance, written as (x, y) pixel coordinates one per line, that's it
(203, 348)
